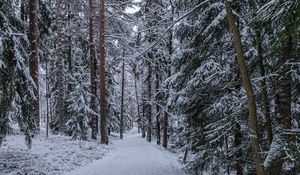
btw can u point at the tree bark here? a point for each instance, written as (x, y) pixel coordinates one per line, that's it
(122, 101)
(264, 94)
(283, 108)
(168, 72)
(60, 71)
(158, 125)
(148, 104)
(47, 100)
(143, 108)
(34, 60)
(93, 71)
(249, 91)
(103, 104)
(143, 117)
(166, 115)
(158, 79)
(137, 103)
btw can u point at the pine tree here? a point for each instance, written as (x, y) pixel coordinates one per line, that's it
(93, 71)
(103, 103)
(122, 100)
(34, 61)
(60, 70)
(17, 86)
(283, 16)
(79, 107)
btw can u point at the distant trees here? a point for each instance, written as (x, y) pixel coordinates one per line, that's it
(152, 13)
(217, 80)
(60, 44)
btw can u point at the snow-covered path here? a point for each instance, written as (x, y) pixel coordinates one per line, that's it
(133, 156)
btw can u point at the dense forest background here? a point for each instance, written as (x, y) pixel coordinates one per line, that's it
(216, 80)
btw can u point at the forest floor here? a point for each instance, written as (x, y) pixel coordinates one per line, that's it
(60, 154)
(53, 156)
(133, 156)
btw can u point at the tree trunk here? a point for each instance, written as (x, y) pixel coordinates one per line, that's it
(165, 130)
(185, 155)
(137, 103)
(47, 100)
(283, 108)
(60, 71)
(34, 61)
(148, 103)
(158, 141)
(166, 115)
(158, 125)
(264, 94)
(122, 101)
(143, 121)
(249, 91)
(93, 71)
(103, 112)
(168, 70)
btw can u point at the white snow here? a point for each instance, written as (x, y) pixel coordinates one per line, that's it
(60, 154)
(53, 156)
(133, 156)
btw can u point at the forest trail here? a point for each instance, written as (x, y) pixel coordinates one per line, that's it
(133, 156)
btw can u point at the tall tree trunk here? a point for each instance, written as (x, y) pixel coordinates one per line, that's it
(264, 94)
(137, 103)
(165, 129)
(122, 101)
(143, 119)
(93, 71)
(34, 60)
(158, 125)
(103, 107)
(143, 108)
(158, 79)
(60, 71)
(47, 99)
(166, 115)
(148, 103)
(249, 91)
(283, 109)
(168, 71)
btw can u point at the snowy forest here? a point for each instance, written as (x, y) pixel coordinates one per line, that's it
(144, 87)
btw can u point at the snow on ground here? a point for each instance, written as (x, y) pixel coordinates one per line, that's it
(133, 156)
(60, 154)
(53, 156)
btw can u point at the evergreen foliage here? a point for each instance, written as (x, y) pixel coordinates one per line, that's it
(183, 76)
